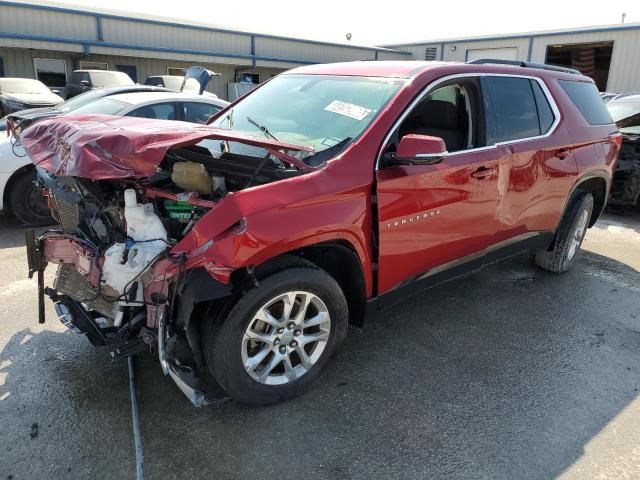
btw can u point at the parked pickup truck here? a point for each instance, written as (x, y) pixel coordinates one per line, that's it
(244, 248)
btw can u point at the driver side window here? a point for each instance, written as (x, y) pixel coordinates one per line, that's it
(450, 112)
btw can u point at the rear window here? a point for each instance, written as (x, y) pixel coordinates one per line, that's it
(586, 98)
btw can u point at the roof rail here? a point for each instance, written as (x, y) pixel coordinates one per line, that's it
(518, 63)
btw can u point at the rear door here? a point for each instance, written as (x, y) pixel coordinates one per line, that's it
(540, 168)
(432, 217)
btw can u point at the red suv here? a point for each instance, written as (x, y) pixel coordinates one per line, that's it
(244, 248)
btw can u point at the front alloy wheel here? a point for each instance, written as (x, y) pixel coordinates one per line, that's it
(286, 338)
(279, 336)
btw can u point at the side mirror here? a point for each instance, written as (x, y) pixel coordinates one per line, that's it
(419, 150)
(84, 83)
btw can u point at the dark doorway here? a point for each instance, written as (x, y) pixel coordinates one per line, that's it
(1, 68)
(130, 70)
(592, 59)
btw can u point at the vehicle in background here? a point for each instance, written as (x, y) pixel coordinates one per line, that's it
(18, 192)
(25, 117)
(608, 96)
(195, 79)
(244, 248)
(83, 80)
(22, 93)
(625, 190)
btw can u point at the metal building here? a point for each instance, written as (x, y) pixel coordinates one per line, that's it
(48, 42)
(608, 54)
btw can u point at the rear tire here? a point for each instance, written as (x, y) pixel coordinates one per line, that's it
(571, 232)
(260, 363)
(27, 202)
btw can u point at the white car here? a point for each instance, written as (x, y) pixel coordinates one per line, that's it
(19, 194)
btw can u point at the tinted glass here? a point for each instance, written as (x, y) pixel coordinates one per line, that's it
(196, 112)
(51, 72)
(514, 109)
(585, 96)
(77, 77)
(105, 106)
(160, 111)
(545, 114)
(155, 81)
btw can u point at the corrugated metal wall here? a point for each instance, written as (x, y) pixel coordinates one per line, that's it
(58, 28)
(624, 72)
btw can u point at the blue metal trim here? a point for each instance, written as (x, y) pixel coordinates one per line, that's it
(529, 49)
(518, 36)
(442, 51)
(99, 28)
(186, 25)
(95, 43)
(86, 49)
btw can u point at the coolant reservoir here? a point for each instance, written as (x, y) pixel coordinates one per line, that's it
(142, 222)
(192, 177)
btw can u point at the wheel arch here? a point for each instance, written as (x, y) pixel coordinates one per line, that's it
(6, 204)
(597, 184)
(338, 258)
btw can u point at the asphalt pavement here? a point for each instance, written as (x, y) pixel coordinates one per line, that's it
(511, 372)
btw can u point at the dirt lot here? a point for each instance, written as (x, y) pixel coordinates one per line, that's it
(509, 373)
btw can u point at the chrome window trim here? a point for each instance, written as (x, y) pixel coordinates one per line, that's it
(429, 88)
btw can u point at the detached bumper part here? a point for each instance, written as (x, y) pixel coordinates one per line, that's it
(195, 396)
(65, 316)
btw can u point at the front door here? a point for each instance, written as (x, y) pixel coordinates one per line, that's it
(434, 216)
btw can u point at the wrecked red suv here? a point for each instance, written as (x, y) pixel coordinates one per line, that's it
(243, 249)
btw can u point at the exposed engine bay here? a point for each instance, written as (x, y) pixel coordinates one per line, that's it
(625, 188)
(122, 277)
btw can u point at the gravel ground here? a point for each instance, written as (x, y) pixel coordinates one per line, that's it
(509, 373)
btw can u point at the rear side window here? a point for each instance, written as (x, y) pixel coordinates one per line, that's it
(586, 98)
(545, 114)
(512, 104)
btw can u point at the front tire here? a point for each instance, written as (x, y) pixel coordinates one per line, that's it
(277, 339)
(27, 202)
(570, 234)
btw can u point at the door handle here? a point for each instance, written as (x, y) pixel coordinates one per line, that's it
(563, 153)
(483, 172)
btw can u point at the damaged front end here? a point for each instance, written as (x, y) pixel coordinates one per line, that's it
(625, 188)
(131, 263)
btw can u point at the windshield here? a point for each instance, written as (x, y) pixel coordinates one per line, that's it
(23, 85)
(317, 111)
(626, 115)
(80, 100)
(107, 106)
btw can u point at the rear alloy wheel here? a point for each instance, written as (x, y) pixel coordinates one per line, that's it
(278, 338)
(569, 236)
(27, 202)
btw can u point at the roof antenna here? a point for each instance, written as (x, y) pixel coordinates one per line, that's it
(624, 15)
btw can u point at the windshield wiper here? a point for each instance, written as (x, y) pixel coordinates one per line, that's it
(316, 159)
(262, 128)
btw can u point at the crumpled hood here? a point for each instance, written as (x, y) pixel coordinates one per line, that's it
(102, 147)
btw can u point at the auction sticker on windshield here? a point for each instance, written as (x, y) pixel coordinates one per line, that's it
(348, 109)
